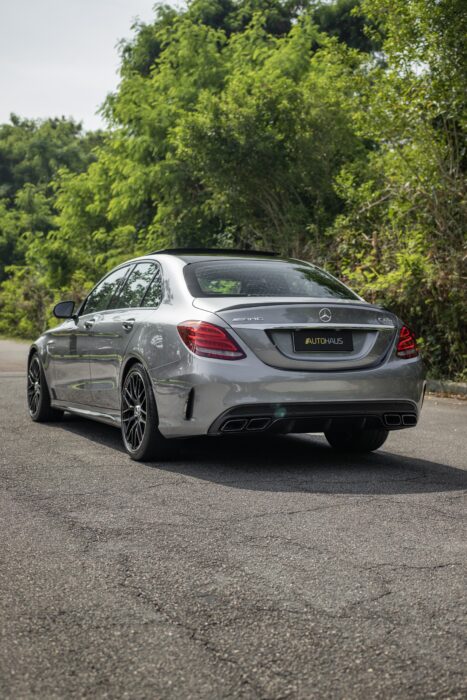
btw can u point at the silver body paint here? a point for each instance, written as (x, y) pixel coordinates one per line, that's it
(84, 366)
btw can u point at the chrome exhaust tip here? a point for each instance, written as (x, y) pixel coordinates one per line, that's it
(258, 424)
(234, 426)
(392, 420)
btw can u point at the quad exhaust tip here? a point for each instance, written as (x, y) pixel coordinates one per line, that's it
(258, 423)
(238, 425)
(393, 420)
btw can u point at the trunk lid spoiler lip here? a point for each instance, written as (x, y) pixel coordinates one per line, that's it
(389, 320)
(319, 326)
(209, 303)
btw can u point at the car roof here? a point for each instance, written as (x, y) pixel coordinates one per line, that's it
(197, 254)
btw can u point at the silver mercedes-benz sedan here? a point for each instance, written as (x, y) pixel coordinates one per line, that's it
(191, 342)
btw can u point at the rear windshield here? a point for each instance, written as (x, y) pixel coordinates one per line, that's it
(261, 278)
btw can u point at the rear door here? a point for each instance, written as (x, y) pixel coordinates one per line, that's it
(113, 331)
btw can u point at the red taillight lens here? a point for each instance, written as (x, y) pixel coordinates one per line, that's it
(406, 345)
(208, 340)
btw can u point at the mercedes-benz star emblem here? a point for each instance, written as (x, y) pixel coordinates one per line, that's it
(325, 315)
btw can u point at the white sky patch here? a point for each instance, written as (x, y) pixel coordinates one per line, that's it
(59, 57)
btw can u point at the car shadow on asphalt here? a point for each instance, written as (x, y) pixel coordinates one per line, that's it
(288, 463)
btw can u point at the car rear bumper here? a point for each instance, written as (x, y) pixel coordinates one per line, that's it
(200, 401)
(315, 417)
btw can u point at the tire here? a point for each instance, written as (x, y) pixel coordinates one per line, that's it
(141, 437)
(40, 408)
(357, 440)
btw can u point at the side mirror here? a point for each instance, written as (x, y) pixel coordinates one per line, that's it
(64, 309)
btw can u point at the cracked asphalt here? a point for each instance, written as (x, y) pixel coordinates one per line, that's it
(242, 569)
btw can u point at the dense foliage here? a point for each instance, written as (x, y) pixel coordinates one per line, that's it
(327, 131)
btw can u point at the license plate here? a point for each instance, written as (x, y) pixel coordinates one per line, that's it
(322, 341)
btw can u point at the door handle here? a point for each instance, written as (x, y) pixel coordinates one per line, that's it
(128, 324)
(90, 323)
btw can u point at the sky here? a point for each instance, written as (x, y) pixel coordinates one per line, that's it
(59, 57)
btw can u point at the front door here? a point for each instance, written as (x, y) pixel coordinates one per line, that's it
(70, 347)
(67, 350)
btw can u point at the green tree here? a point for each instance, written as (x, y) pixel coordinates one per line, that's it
(31, 151)
(345, 20)
(31, 154)
(402, 238)
(234, 135)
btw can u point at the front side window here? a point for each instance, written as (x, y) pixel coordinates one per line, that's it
(262, 278)
(101, 295)
(135, 286)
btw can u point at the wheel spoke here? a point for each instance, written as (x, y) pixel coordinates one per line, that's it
(132, 429)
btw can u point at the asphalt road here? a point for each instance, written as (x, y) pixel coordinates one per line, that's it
(272, 569)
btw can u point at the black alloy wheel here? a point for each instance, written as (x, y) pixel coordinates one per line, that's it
(134, 410)
(141, 437)
(40, 408)
(34, 386)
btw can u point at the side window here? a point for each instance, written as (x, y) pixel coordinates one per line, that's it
(153, 296)
(105, 290)
(135, 286)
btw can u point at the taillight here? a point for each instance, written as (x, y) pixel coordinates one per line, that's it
(208, 340)
(406, 345)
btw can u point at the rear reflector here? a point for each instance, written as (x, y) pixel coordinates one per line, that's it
(406, 345)
(208, 340)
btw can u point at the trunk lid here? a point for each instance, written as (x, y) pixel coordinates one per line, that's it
(287, 334)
